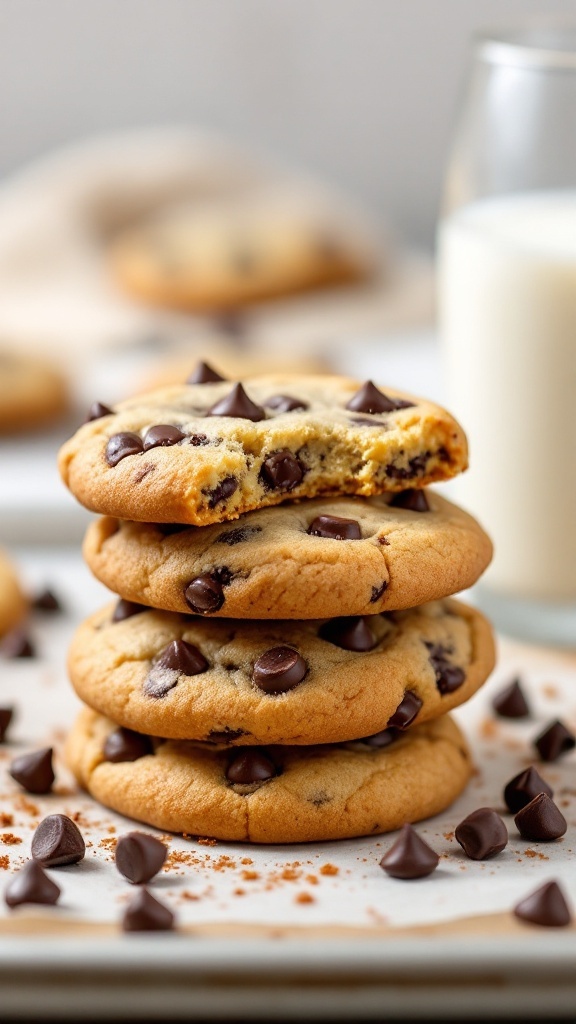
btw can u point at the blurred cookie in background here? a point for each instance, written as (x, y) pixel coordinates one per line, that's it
(13, 604)
(33, 392)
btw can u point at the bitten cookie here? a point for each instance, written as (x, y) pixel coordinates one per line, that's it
(13, 604)
(206, 452)
(318, 558)
(183, 677)
(273, 794)
(32, 393)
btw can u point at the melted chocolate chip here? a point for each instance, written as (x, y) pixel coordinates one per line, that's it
(162, 435)
(377, 592)
(31, 885)
(482, 834)
(237, 404)
(541, 820)
(46, 601)
(278, 670)
(381, 739)
(225, 735)
(351, 633)
(285, 403)
(97, 411)
(145, 914)
(546, 907)
(555, 741)
(409, 857)
(58, 841)
(448, 677)
(413, 499)
(335, 528)
(6, 716)
(126, 745)
(179, 658)
(126, 609)
(34, 771)
(121, 445)
(139, 856)
(250, 765)
(224, 490)
(523, 788)
(406, 711)
(511, 702)
(370, 399)
(238, 536)
(204, 595)
(204, 374)
(282, 471)
(416, 467)
(17, 644)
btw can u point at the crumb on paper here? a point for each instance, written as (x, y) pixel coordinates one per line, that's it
(249, 876)
(9, 839)
(448, 836)
(6, 820)
(535, 853)
(329, 869)
(4, 862)
(22, 804)
(304, 897)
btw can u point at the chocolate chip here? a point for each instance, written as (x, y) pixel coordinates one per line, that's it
(523, 788)
(416, 467)
(370, 399)
(162, 435)
(335, 528)
(541, 820)
(126, 609)
(6, 716)
(409, 856)
(126, 745)
(378, 591)
(282, 471)
(179, 658)
(279, 669)
(204, 374)
(17, 644)
(225, 735)
(46, 601)
(482, 834)
(250, 765)
(97, 410)
(145, 914)
(413, 499)
(351, 633)
(204, 595)
(511, 702)
(555, 741)
(381, 739)
(139, 856)
(237, 404)
(31, 885)
(285, 403)
(223, 491)
(546, 906)
(448, 677)
(58, 841)
(34, 771)
(121, 445)
(406, 711)
(238, 536)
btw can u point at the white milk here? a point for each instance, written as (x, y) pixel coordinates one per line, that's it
(507, 275)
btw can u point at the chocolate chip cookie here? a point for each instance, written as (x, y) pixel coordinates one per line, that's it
(272, 794)
(185, 677)
(326, 556)
(32, 393)
(13, 604)
(210, 450)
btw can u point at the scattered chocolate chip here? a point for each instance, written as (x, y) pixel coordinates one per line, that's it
(546, 906)
(126, 609)
(97, 410)
(448, 677)
(511, 702)
(162, 435)
(121, 445)
(482, 834)
(204, 595)
(406, 711)
(278, 670)
(381, 739)
(6, 716)
(555, 741)
(31, 885)
(238, 536)
(351, 633)
(523, 788)
(282, 471)
(541, 820)
(58, 841)
(224, 490)
(34, 771)
(285, 403)
(413, 499)
(238, 404)
(250, 765)
(139, 856)
(46, 601)
(126, 745)
(370, 399)
(17, 644)
(409, 856)
(335, 528)
(204, 374)
(145, 914)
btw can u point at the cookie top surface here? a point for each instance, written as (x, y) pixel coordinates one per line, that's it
(300, 794)
(206, 452)
(32, 392)
(318, 558)
(13, 604)
(184, 677)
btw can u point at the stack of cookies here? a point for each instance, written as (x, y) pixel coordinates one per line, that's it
(284, 652)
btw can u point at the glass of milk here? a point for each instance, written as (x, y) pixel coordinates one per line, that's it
(507, 306)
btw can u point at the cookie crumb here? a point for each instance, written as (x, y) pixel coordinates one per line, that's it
(6, 820)
(9, 839)
(304, 897)
(329, 869)
(4, 862)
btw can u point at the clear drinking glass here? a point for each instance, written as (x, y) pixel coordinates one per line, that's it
(507, 306)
